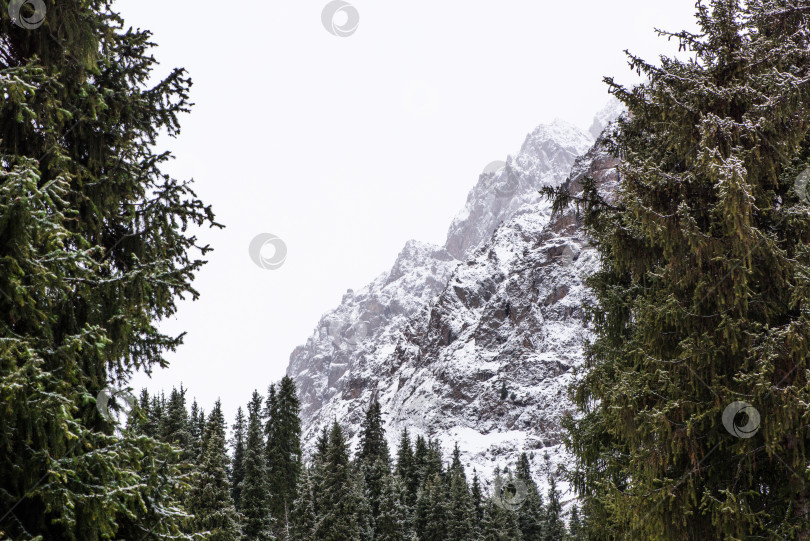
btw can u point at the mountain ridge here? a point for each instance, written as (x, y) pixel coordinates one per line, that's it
(425, 336)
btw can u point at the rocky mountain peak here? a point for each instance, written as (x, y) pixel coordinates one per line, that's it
(545, 158)
(439, 336)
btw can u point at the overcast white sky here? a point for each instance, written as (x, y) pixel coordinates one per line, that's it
(346, 147)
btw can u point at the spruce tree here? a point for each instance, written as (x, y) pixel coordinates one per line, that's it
(157, 412)
(554, 527)
(460, 520)
(237, 469)
(405, 468)
(373, 445)
(702, 299)
(373, 458)
(302, 515)
(374, 476)
(175, 427)
(257, 522)
(575, 529)
(477, 501)
(318, 469)
(392, 522)
(338, 509)
(271, 458)
(284, 454)
(210, 499)
(365, 519)
(498, 524)
(138, 420)
(197, 424)
(431, 513)
(433, 463)
(531, 515)
(94, 252)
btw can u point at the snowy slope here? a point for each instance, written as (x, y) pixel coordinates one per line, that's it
(437, 336)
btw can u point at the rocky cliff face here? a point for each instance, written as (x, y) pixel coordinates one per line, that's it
(474, 342)
(487, 363)
(545, 159)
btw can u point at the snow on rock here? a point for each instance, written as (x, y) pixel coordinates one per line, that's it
(438, 336)
(510, 317)
(544, 160)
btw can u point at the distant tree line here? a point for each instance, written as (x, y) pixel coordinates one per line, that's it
(258, 487)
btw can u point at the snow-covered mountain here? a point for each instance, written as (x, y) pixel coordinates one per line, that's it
(439, 336)
(545, 159)
(610, 112)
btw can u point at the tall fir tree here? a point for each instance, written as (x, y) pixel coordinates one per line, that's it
(318, 469)
(257, 522)
(498, 524)
(477, 501)
(405, 468)
(531, 515)
(339, 508)
(210, 498)
(702, 298)
(284, 453)
(94, 252)
(175, 428)
(431, 512)
(271, 457)
(392, 522)
(460, 520)
(373, 459)
(373, 445)
(374, 477)
(575, 530)
(138, 419)
(302, 522)
(554, 527)
(237, 469)
(197, 425)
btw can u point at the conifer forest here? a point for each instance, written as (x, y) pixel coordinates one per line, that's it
(688, 417)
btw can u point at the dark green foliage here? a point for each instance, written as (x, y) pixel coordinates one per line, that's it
(93, 254)
(318, 469)
(374, 478)
(405, 468)
(373, 445)
(283, 450)
(427, 462)
(175, 427)
(138, 421)
(532, 517)
(210, 499)
(338, 502)
(257, 523)
(237, 469)
(456, 467)
(575, 529)
(373, 459)
(196, 429)
(303, 514)
(499, 524)
(554, 526)
(431, 513)
(392, 522)
(460, 520)
(477, 502)
(703, 296)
